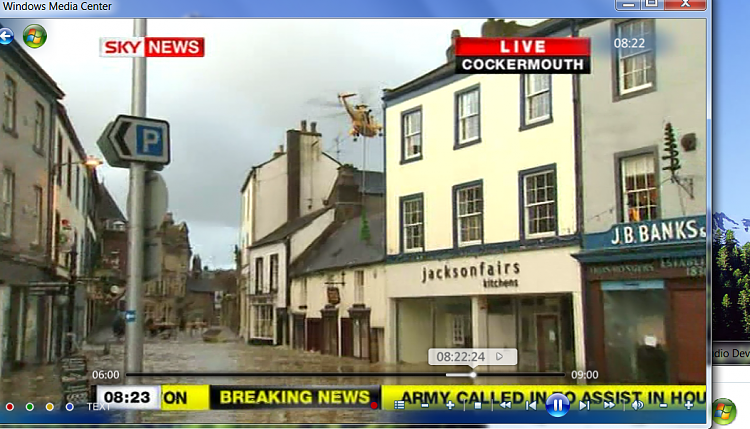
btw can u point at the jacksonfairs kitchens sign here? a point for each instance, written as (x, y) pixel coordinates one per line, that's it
(497, 274)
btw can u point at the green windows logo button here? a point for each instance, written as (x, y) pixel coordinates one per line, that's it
(34, 36)
(724, 411)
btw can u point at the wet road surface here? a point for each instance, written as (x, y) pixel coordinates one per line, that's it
(41, 384)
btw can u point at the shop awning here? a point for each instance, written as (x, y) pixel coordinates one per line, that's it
(639, 253)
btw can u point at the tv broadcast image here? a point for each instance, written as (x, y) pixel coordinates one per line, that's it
(457, 222)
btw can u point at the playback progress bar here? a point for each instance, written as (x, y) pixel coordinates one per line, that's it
(346, 374)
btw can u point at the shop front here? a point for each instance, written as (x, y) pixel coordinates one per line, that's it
(527, 300)
(645, 296)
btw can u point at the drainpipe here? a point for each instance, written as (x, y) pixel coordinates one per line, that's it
(577, 141)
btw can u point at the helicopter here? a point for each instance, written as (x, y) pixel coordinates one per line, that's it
(364, 123)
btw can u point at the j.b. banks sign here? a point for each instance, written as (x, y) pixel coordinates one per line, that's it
(493, 274)
(685, 230)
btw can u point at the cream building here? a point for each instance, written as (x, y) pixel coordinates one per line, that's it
(338, 298)
(481, 217)
(295, 183)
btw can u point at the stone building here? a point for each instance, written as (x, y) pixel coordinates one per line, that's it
(165, 294)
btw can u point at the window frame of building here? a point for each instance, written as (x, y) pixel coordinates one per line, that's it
(59, 160)
(38, 215)
(77, 188)
(273, 271)
(39, 128)
(623, 210)
(649, 50)
(527, 95)
(407, 135)
(458, 216)
(525, 206)
(10, 105)
(69, 176)
(404, 236)
(359, 286)
(258, 275)
(460, 143)
(7, 202)
(458, 330)
(303, 292)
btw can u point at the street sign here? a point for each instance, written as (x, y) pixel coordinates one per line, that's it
(133, 139)
(157, 200)
(151, 257)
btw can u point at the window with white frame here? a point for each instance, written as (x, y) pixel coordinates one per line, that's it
(7, 196)
(469, 214)
(635, 60)
(303, 291)
(274, 272)
(38, 211)
(258, 275)
(39, 128)
(148, 311)
(468, 116)
(263, 326)
(537, 97)
(639, 190)
(413, 233)
(359, 286)
(9, 108)
(412, 129)
(540, 203)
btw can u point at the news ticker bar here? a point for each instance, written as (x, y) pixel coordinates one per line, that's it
(398, 398)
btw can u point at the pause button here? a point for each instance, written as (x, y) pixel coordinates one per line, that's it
(558, 405)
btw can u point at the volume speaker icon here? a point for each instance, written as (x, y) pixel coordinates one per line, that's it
(637, 405)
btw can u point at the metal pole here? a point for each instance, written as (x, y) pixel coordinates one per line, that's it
(134, 329)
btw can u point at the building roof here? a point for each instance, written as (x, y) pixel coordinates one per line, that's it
(108, 208)
(374, 181)
(289, 228)
(448, 69)
(345, 247)
(204, 285)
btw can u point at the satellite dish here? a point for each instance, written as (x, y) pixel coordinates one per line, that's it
(114, 290)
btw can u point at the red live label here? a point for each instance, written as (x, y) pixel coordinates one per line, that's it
(523, 46)
(684, 5)
(128, 47)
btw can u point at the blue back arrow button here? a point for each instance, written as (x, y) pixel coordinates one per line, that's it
(6, 36)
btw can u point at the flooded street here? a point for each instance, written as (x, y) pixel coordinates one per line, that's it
(40, 384)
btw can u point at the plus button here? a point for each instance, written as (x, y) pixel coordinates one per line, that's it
(450, 405)
(689, 405)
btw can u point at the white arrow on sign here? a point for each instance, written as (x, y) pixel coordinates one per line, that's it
(4, 35)
(136, 139)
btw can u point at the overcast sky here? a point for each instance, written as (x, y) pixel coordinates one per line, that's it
(230, 110)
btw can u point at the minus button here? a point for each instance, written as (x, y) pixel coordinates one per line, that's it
(628, 5)
(662, 405)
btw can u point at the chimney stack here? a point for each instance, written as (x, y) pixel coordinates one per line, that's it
(303, 126)
(450, 53)
(314, 127)
(348, 200)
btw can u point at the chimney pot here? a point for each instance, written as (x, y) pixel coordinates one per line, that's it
(303, 126)
(281, 148)
(313, 127)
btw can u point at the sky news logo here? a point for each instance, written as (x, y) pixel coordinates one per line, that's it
(135, 47)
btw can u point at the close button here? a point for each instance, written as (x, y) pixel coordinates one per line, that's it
(685, 5)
